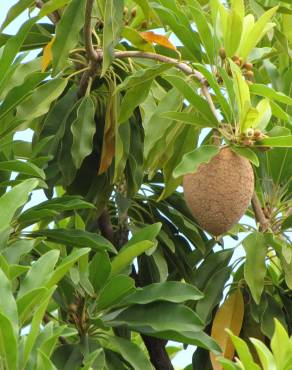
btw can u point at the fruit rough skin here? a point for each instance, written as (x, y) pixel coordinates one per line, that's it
(219, 193)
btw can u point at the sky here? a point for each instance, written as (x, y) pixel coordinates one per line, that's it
(184, 357)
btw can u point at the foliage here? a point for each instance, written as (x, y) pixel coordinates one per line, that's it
(123, 99)
(280, 356)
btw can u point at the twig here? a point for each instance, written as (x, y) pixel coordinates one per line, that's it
(92, 55)
(87, 32)
(54, 16)
(259, 214)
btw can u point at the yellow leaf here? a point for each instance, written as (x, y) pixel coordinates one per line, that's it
(47, 55)
(157, 39)
(108, 145)
(228, 316)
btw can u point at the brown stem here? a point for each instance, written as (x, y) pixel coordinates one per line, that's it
(105, 226)
(157, 352)
(54, 16)
(92, 55)
(187, 69)
(259, 214)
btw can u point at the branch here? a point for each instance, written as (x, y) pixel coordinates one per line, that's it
(105, 226)
(259, 214)
(187, 69)
(92, 55)
(54, 16)
(184, 67)
(157, 352)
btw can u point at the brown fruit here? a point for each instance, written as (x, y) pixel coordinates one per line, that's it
(249, 75)
(133, 12)
(219, 193)
(248, 66)
(258, 134)
(222, 53)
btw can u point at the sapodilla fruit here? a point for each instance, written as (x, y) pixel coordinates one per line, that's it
(220, 191)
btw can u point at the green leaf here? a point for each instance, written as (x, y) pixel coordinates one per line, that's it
(131, 352)
(171, 15)
(127, 255)
(227, 364)
(14, 12)
(17, 249)
(158, 127)
(182, 143)
(133, 97)
(113, 22)
(148, 232)
(247, 153)
(255, 33)
(203, 28)
(20, 73)
(41, 99)
(171, 291)
(99, 270)
(233, 32)
(40, 272)
(114, 290)
(18, 93)
(188, 118)
(94, 357)
(281, 346)
(191, 161)
(241, 89)
(43, 362)
(198, 338)
(83, 130)
(7, 304)
(212, 294)
(277, 141)
(243, 352)
(65, 266)
(268, 92)
(25, 168)
(256, 249)
(67, 33)
(264, 116)
(35, 325)
(139, 243)
(76, 238)
(194, 99)
(8, 343)
(225, 106)
(11, 49)
(53, 207)
(265, 356)
(278, 112)
(212, 263)
(50, 6)
(13, 199)
(156, 317)
(26, 303)
(142, 75)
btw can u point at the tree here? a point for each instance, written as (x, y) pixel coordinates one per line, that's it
(126, 99)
